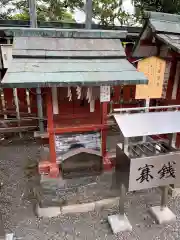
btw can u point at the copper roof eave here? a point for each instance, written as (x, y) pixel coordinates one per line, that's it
(169, 43)
(161, 17)
(89, 84)
(142, 31)
(63, 33)
(47, 62)
(23, 73)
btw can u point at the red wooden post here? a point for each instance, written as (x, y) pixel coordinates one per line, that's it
(106, 161)
(172, 75)
(171, 80)
(117, 90)
(54, 169)
(51, 165)
(103, 121)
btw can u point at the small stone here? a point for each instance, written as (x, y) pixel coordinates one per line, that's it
(78, 233)
(149, 226)
(102, 221)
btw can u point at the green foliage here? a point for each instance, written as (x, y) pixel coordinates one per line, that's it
(110, 12)
(47, 10)
(21, 16)
(106, 12)
(166, 6)
(5, 10)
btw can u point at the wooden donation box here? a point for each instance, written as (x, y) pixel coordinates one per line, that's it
(147, 164)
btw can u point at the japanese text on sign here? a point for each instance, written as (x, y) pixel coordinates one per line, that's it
(105, 93)
(154, 69)
(154, 172)
(167, 171)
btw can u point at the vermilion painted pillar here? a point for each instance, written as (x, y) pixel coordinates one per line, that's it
(172, 75)
(171, 81)
(103, 121)
(50, 167)
(107, 165)
(54, 169)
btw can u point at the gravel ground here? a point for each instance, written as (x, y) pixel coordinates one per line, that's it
(18, 215)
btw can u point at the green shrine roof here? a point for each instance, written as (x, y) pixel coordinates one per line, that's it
(62, 33)
(68, 57)
(163, 26)
(164, 22)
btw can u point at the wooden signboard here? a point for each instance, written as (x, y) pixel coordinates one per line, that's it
(154, 69)
(105, 92)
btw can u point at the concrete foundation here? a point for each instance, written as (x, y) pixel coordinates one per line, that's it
(10, 236)
(48, 212)
(163, 215)
(119, 223)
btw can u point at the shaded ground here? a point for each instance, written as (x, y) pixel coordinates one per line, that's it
(17, 208)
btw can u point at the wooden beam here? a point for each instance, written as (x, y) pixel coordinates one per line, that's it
(81, 128)
(17, 129)
(45, 135)
(147, 43)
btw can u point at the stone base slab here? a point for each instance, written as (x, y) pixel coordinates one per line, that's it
(49, 212)
(119, 223)
(163, 215)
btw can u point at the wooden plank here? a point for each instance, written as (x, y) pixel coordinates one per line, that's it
(33, 100)
(16, 101)
(21, 92)
(17, 129)
(45, 135)
(6, 54)
(154, 69)
(3, 103)
(12, 112)
(9, 120)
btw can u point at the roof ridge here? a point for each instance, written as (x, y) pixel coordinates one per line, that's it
(163, 16)
(64, 33)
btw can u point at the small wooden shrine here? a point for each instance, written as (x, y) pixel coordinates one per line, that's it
(160, 37)
(76, 70)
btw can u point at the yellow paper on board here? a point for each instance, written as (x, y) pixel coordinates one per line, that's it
(154, 69)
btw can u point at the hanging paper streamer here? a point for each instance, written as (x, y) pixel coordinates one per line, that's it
(89, 94)
(90, 99)
(78, 92)
(69, 95)
(93, 93)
